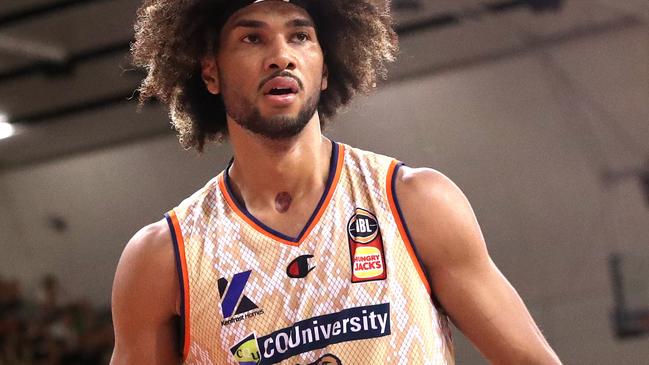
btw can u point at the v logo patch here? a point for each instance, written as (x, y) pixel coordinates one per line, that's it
(233, 301)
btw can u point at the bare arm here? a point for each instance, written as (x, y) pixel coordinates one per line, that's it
(478, 298)
(145, 300)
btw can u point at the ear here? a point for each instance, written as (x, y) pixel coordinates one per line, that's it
(325, 81)
(210, 74)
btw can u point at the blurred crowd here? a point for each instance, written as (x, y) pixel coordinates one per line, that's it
(47, 328)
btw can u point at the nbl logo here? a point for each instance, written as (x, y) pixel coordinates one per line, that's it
(363, 227)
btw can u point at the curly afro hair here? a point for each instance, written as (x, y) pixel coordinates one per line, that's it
(172, 36)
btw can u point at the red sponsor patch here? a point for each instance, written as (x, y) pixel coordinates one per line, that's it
(365, 247)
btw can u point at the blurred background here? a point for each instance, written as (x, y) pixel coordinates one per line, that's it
(537, 109)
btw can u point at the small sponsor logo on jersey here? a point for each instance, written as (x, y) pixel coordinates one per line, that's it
(328, 359)
(299, 268)
(348, 325)
(246, 352)
(234, 304)
(365, 247)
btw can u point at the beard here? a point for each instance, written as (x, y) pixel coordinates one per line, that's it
(248, 116)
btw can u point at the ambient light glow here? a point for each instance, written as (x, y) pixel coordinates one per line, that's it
(6, 130)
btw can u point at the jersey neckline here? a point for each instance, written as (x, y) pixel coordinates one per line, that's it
(335, 167)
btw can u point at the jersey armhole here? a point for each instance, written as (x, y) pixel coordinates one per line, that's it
(395, 209)
(181, 269)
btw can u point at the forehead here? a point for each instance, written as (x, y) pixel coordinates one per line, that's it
(268, 10)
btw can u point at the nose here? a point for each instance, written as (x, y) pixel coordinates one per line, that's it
(280, 56)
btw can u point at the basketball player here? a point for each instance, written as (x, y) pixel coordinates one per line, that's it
(303, 250)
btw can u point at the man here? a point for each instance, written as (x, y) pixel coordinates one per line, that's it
(299, 251)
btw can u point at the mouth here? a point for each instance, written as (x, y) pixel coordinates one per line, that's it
(281, 90)
(281, 85)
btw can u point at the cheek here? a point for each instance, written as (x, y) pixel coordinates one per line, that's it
(316, 67)
(235, 77)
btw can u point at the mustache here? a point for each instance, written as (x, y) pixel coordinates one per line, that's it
(281, 73)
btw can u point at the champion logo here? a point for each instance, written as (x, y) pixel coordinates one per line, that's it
(299, 268)
(233, 302)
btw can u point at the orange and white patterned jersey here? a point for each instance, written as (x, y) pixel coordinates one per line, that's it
(349, 289)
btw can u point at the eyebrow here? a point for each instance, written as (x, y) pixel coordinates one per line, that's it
(300, 22)
(250, 23)
(247, 23)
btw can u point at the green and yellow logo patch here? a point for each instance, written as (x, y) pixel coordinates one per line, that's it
(246, 352)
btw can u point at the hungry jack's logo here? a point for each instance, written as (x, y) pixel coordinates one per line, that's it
(365, 247)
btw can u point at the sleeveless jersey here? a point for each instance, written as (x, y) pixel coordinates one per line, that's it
(349, 289)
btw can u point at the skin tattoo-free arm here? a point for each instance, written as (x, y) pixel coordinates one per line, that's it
(145, 300)
(478, 298)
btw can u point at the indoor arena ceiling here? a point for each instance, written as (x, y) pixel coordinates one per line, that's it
(65, 79)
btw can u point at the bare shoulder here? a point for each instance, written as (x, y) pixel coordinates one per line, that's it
(149, 254)
(145, 300)
(439, 216)
(152, 245)
(425, 183)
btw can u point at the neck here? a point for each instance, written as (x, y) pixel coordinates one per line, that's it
(264, 168)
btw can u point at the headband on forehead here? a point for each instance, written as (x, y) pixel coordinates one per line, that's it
(230, 7)
(294, 2)
(236, 5)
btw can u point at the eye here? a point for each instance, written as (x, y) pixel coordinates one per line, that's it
(252, 39)
(302, 37)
